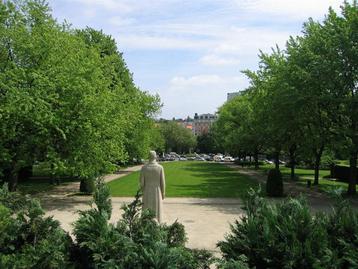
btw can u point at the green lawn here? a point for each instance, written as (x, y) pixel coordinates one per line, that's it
(305, 174)
(191, 179)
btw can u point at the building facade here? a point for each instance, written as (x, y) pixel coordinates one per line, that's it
(202, 123)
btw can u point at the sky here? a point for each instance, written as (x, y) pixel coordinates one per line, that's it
(192, 53)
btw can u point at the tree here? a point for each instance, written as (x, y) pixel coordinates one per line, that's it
(326, 57)
(342, 35)
(206, 143)
(238, 129)
(67, 97)
(177, 138)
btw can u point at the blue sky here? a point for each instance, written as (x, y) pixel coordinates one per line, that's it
(191, 52)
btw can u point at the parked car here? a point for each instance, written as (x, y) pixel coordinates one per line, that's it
(208, 158)
(199, 158)
(229, 159)
(182, 158)
(269, 161)
(218, 158)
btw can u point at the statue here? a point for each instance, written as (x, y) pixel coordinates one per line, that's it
(152, 182)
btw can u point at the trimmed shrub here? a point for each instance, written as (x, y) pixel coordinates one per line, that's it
(87, 185)
(341, 173)
(136, 241)
(289, 235)
(28, 239)
(274, 183)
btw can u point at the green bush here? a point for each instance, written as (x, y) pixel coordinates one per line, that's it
(136, 241)
(28, 239)
(288, 235)
(87, 185)
(274, 183)
(232, 264)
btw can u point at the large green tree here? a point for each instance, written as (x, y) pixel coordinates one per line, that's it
(177, 138)
(67, 97)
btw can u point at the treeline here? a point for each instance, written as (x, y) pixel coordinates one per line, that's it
(67, 97)
(303, 99)
(175, 137)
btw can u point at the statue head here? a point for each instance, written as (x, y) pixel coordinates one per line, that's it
(152, 156)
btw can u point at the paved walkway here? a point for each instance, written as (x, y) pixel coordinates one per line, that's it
(206, 220)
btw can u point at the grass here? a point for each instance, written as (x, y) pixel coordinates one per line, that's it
(192, 179)
(325, 184)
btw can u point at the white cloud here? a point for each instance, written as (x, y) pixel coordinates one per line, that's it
(119, 21)
(114, 5)
(216, 60)
(199, 80)
(221, 37)
(203, 93)
(289, 9)
(89, 13)
(212, 80)
(153, 42)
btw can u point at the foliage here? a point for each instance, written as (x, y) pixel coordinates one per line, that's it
(237, 128)
(342, 229)
(287, 235)
(208, 143)
(274, 183)
(302, 100)
(67, 97)
(28, 239)
(234, 264)
(136, 241)
(87, 185)
(177, 138)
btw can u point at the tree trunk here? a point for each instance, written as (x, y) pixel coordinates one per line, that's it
(256, 158)
(277, 160)
(292, 160)
(317, 164)
(13, 180)
(352, 174)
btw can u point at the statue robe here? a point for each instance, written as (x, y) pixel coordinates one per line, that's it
(152, 182)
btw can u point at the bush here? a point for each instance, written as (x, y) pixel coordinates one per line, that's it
(136, 241)
(288, 235)
(341, 173)
(87, 185)
(274, 183)
(28, 239)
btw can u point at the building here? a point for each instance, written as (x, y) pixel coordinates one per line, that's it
(186, 123)
(231, 95)
(202, 123)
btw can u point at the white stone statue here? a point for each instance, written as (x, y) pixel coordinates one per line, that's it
(152, 182)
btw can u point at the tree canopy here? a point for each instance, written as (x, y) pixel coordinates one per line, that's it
(303, 99)
(66, 97)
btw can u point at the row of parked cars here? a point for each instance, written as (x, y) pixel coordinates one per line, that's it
(172, 156)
